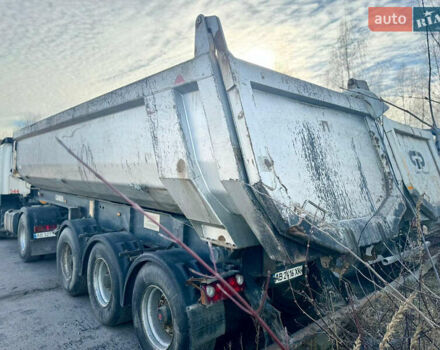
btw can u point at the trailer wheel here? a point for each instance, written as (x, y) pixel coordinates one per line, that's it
(24, 241)
(159, 310)
(104, 287)
(69, 264)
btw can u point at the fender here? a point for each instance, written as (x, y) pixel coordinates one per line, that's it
(205, 323)
(123, 245)
(175, 261)
(82, 229)
(40, 215)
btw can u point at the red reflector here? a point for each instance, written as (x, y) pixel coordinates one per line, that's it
(179, 80)
(44, 228)
(219, 295)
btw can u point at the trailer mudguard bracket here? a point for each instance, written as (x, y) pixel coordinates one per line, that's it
(42, 215)
(176, 261)
(83, 229)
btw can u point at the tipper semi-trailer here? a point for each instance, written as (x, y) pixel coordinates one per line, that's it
(259, 173)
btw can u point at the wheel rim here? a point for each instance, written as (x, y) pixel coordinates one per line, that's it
(22, 241)
(67, 262)
(102, 282)
(157, 319)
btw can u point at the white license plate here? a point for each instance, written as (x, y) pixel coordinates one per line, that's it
(47, 234)
(288, 274)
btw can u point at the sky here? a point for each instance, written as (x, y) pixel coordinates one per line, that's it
(57, 54)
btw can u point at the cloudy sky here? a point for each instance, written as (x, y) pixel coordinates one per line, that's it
(56, 54)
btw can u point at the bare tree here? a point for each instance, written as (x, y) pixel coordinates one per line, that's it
(401, 88)
(348, 56)
(417, 88)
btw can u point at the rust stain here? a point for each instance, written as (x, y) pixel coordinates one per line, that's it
(181, 166)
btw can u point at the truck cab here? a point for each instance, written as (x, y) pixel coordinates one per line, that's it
(13, 190)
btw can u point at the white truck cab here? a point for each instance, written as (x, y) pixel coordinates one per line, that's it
(10, 184)
(13, 190)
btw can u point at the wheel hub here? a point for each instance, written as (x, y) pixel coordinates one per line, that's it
(157, 318)
(67, 262)
(164, 314)
(22, 240)
(102, 282)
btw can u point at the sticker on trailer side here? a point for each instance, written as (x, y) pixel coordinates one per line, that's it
(47, 234)
(92, 208)
(150, 225)
(288, 274)
(59, 198)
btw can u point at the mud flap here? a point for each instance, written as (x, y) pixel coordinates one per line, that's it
(206, 323)
(270, 314)
(43, 246)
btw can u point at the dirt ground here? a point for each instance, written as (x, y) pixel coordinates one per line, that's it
(35, 313)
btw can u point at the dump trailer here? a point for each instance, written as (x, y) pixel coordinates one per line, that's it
(261, 174)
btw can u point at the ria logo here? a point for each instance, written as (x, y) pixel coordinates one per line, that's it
(427, 18)
(418, 161)
(404, 19)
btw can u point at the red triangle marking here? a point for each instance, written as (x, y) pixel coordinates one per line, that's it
(179, 80)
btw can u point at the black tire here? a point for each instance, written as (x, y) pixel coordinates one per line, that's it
(24, 241)
(69, 264)
(152, 276)
(107, 310)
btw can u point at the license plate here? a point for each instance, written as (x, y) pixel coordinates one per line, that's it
(47, 234)
(288, 274)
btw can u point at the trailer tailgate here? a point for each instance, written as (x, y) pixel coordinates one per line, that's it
(307, 149)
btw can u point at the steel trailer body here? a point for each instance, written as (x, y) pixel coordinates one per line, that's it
(241, 151)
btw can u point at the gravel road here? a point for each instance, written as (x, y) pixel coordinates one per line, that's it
(35, 312)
